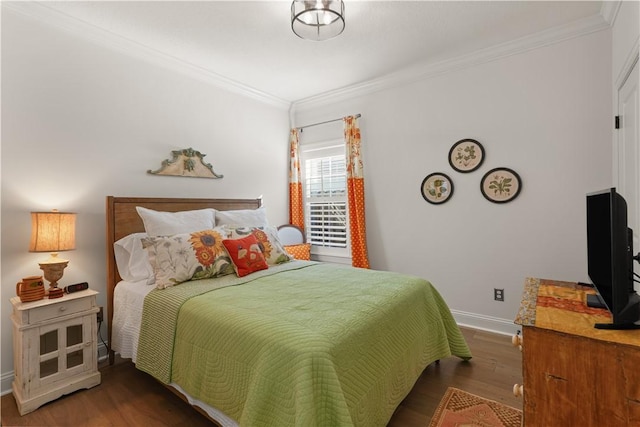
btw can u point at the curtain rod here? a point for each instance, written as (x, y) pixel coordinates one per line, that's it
(301, 128)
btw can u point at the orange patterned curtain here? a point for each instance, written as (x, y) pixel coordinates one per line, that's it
(355, 193)
(296, 210)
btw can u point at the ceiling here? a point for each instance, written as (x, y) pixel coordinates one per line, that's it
(251, 43)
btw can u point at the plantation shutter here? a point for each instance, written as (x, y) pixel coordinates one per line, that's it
(325, 194)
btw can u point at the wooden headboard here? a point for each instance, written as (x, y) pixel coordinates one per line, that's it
(123, 219)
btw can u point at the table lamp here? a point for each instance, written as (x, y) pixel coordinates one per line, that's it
(53, 232)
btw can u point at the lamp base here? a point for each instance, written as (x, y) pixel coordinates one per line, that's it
(55, 293)
(53, 269)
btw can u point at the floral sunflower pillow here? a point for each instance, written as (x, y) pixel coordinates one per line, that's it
(189, 256)
(268, 241)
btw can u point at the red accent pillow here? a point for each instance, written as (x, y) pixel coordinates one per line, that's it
(246, 255)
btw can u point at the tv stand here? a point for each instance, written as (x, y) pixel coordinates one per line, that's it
(594, 300)
(575, 374)
(617, 326)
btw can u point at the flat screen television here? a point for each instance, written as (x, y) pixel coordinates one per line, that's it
(610, 259)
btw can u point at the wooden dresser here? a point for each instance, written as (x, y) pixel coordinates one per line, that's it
(574, 374)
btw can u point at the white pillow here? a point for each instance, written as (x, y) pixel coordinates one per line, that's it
(132, 259)
(158, 223)
(243, 217)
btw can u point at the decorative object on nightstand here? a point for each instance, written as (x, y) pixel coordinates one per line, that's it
(53, 232)
(55, 348)
(30, 289)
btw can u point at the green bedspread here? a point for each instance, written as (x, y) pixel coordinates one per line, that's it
(302, 344)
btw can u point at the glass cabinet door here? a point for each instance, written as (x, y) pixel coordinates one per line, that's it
(74, 339)
(48, 353)
(64, 349)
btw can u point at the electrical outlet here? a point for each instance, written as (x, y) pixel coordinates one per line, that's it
(100, 315)
(498, 294)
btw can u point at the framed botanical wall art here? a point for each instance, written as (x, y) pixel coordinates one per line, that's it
(466, 155)
(500, 185)
(436, 188)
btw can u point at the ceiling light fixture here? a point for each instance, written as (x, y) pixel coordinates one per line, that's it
(317, 19)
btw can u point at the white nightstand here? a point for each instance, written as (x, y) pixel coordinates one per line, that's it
(55, 348)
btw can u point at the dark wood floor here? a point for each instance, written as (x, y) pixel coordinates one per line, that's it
(128, 397)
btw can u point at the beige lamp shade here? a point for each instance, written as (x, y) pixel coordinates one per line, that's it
(52, 231)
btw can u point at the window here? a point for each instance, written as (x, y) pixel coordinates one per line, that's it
(325, 197)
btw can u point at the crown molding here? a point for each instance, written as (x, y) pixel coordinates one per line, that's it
(39, 11)
(428, 70)
(609, 10)
(42, 13)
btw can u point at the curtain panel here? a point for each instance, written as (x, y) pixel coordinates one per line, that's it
(355, 193)
(296, 209)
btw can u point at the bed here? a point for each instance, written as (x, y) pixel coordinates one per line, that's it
(298, 343)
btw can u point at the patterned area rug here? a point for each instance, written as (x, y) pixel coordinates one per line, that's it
(461, 409)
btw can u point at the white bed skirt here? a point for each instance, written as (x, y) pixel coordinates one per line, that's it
(128, 300)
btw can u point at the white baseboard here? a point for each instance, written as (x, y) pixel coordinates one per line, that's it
(7, 378)
(485, 323)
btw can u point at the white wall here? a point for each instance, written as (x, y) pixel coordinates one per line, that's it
(546, 113)
(80, 122)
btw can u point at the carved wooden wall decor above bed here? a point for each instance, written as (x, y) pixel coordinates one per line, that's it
(123, 219)
(187, 162)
